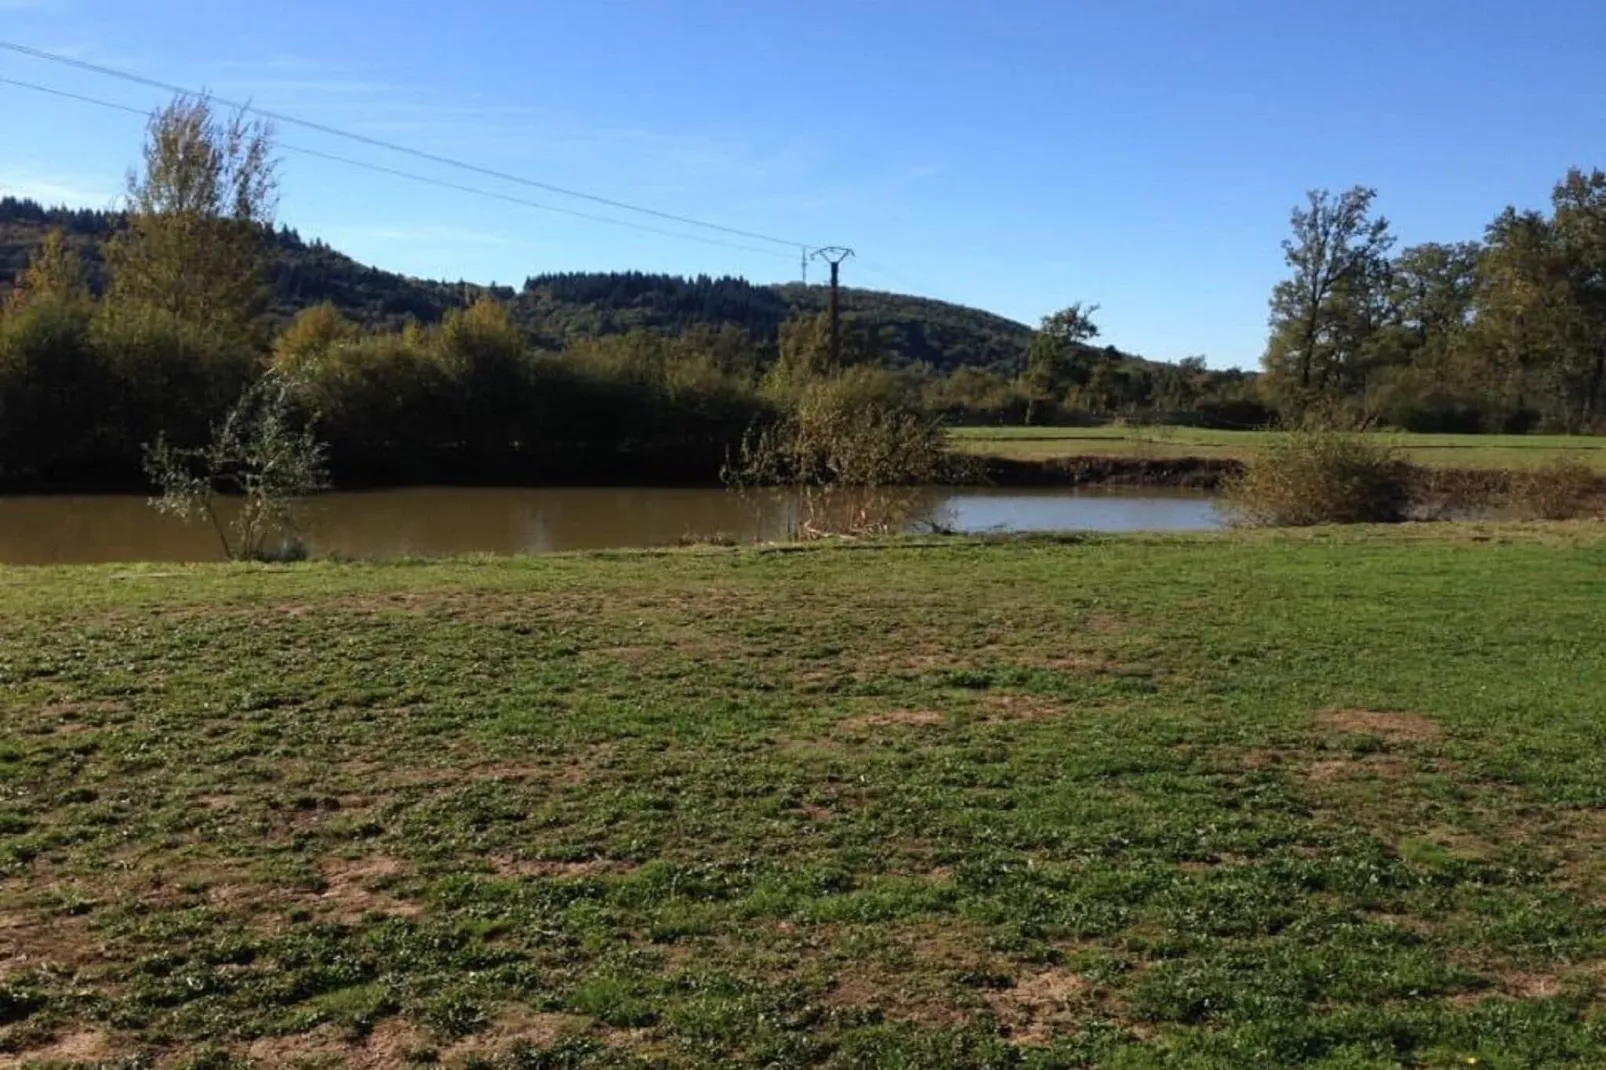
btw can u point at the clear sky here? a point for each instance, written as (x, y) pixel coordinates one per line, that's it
(1015, 155)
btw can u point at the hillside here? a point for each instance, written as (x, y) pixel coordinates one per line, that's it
(556, 307)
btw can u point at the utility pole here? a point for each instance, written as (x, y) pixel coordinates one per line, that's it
(804, 250)
(834, 255)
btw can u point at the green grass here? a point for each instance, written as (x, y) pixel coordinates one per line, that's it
(1330, 798)
(1452, 451)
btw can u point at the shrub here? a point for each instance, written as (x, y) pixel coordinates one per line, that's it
(1321, 477)
(855, 444)
(1560, 489)
(852, 430)
(258, 452)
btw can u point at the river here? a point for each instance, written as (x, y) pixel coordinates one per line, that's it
(83, 529)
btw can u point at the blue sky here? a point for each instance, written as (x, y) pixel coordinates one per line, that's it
(1006, 154)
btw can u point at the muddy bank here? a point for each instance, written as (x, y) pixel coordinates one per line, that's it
(1194, 473)
(1458, 486)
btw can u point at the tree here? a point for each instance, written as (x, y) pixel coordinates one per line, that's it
(200, 215)
(1432, 288)
(55, 272)
(805, 350)
(1052, 362)
(1325, 316)
(1541, 305)
(310, 336)
(1421, 370)
(261, 452)
(55, 393)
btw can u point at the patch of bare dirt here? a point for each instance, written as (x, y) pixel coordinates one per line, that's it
(349, 892)
(1105, 624)
(911, 718)
(905, 663)
(894, 995)
(635, 656)
(1513, 985)
(31, 943)
(1262, 758)
(812, 750)
(80, 1047)
(1405, 923)
(1392, 726)
(322, 1046)
(1003, 707)
(1030, 1009)
(67, 718)
(634, 1040)
(546, 869)
(561, 770)
(390, 1043)
(937, 952)
(514, 1026)
(1079, 663)
(508, 772)
(1205, 865)
(1379, 766)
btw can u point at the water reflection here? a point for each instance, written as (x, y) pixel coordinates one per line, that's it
(442, 521)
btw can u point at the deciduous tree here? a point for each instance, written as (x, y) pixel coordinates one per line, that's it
(1324, 316)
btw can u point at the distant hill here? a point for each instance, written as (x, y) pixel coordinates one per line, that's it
(556, 307)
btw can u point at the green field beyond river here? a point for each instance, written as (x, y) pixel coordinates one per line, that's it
(1329, 798)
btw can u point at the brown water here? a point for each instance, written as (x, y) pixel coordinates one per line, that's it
(440, 521)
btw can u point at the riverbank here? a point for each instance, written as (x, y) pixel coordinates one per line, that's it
(1260, 798)
(1085, 457)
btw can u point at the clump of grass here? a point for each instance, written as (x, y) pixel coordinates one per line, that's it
(1321, 477)
(1559, 489)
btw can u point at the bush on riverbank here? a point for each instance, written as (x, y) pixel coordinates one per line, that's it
(1304, 478)
(1560, 489)
(858, 428)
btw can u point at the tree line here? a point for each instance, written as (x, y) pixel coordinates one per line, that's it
(150, 325)
(1507, 333)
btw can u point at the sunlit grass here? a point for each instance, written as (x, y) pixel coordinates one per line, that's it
(1263, 799)
(1457, 451)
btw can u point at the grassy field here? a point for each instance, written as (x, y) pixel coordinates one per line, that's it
(1252, 800)
(1452, 451)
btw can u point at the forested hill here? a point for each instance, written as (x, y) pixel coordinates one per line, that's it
(555, 307)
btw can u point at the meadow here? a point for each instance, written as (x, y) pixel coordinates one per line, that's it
(1160, 442)
(1330, 798)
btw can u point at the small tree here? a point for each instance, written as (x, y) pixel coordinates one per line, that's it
(261, 452)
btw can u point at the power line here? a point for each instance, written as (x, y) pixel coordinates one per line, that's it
(425, 179)
(390, 146)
